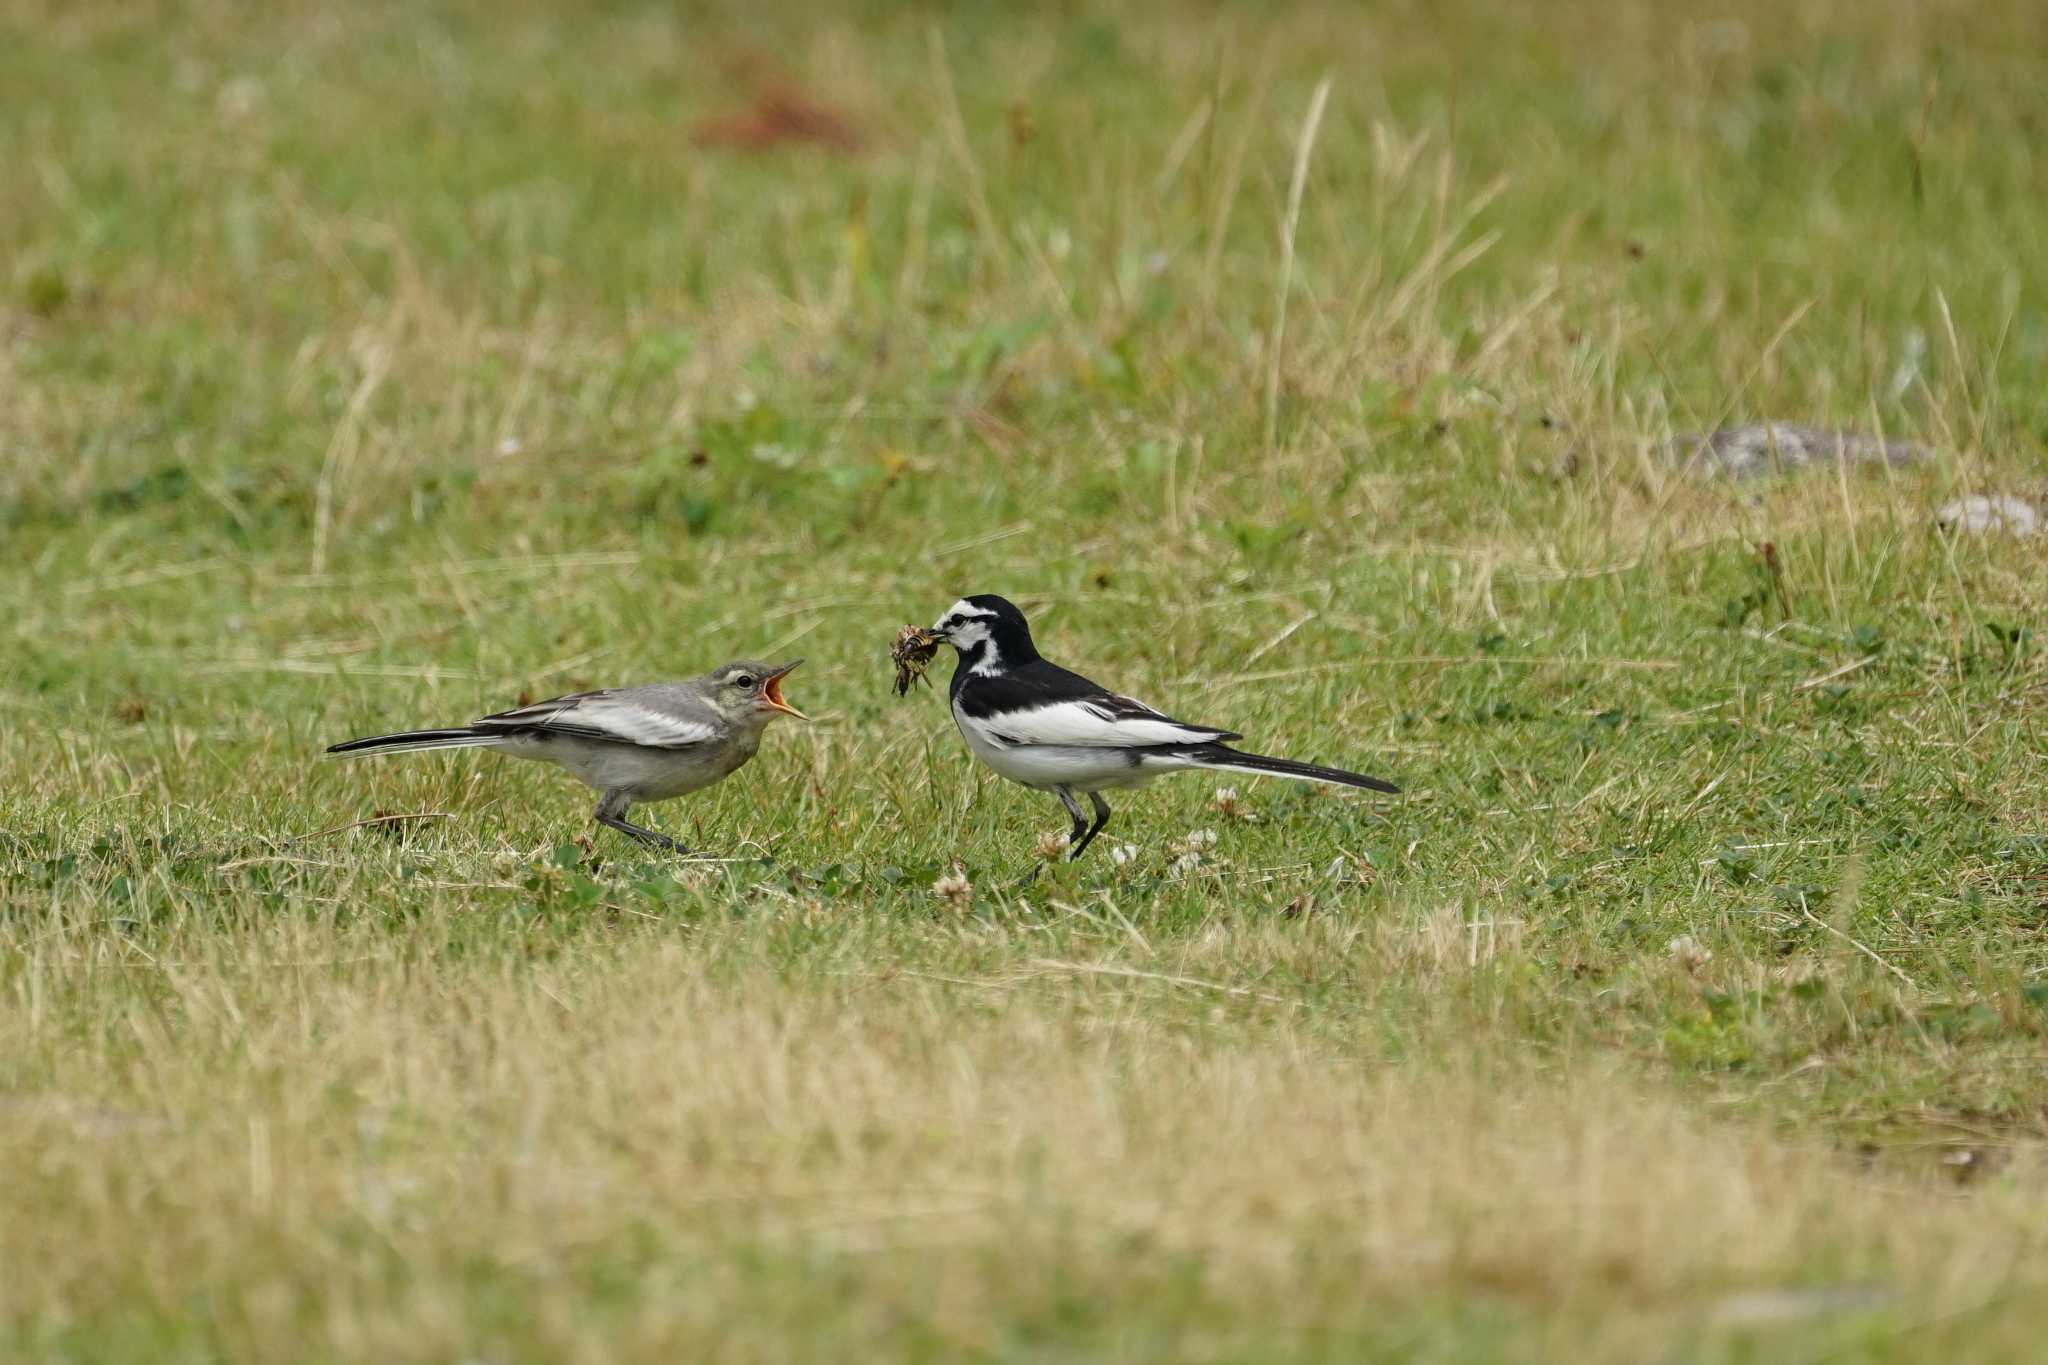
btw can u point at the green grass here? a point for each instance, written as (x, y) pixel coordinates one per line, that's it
(372, 366)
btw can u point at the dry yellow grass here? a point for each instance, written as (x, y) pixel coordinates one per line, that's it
(323, 1146)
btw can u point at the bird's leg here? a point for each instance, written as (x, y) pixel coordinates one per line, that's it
(611, 813)
(1101, 819)
(1080, 831)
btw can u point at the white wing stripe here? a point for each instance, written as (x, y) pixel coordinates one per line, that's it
(631, 723)
(1081, 724)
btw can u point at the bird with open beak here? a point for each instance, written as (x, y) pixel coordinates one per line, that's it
(632, 744)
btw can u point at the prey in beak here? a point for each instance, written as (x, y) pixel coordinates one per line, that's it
(771, 691)
(912, 653)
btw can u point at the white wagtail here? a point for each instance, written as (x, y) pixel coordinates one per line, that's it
(1039, 725)
(632, 744)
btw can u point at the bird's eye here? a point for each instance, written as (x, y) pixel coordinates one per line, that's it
(744, 680)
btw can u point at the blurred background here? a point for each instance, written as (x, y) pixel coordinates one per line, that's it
(364, 270)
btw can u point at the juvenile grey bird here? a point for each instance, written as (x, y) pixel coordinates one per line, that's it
(1041, 726)
(633, 744)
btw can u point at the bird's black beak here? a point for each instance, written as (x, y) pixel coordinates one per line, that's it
(771, 690)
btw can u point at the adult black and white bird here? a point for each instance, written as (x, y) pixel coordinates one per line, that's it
(1044, 727)
(632, 744)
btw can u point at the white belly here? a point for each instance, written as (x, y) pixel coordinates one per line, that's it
(1045, 766)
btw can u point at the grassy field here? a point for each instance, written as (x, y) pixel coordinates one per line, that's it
(375, 365)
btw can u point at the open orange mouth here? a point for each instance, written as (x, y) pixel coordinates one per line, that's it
(771, 691)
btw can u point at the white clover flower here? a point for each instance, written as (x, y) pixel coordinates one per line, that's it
(1051, 844)
(1687, 953)
(1188, 852)
(1123, 855)
(1228, 804)
(953, 889)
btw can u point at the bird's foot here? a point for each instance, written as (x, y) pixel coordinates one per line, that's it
(649, 838)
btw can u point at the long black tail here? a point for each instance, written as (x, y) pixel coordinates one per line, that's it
(1222, 756)
(412, 740)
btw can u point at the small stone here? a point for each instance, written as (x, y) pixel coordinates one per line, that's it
(1760, 1308)
(1760, 448)
(239, 98)
(1978, 515)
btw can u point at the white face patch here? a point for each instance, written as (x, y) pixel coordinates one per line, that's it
(963, 610)
(971, 635)
(962, 618)
(965, 627)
